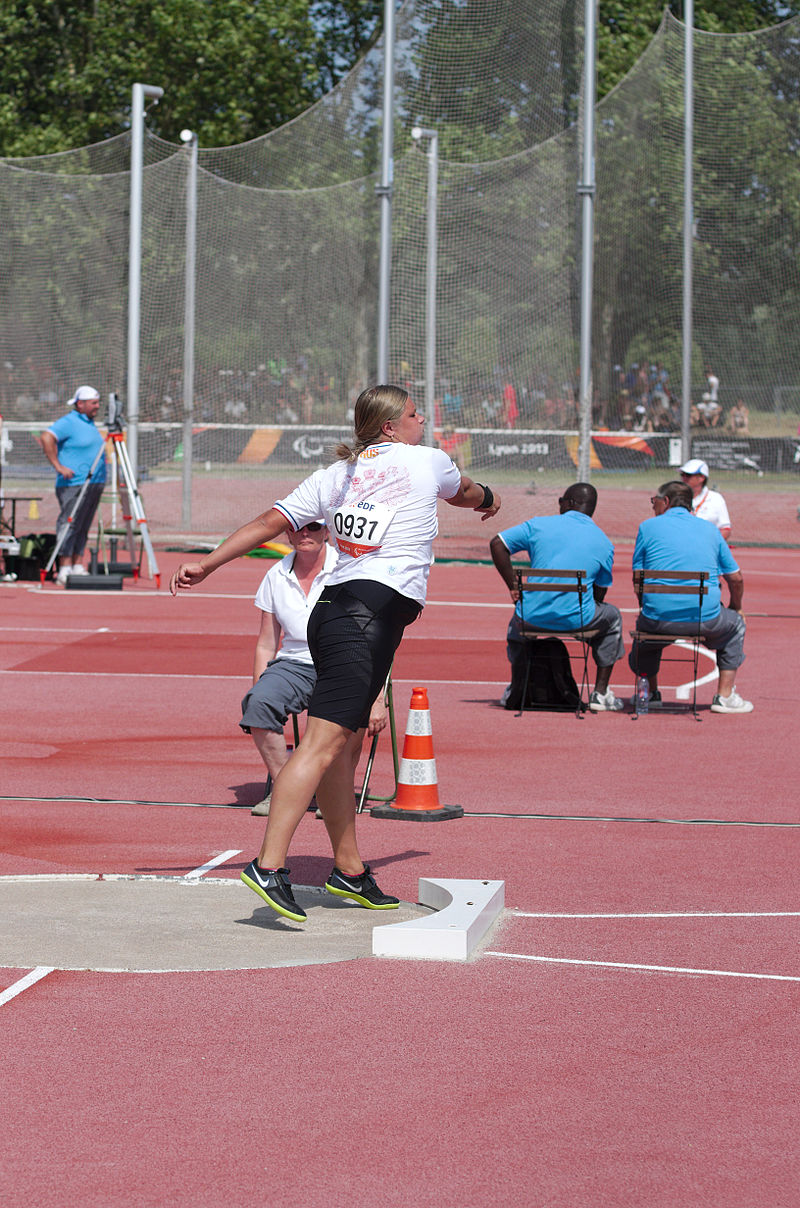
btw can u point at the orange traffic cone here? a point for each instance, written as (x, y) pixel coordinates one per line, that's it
(417, 795)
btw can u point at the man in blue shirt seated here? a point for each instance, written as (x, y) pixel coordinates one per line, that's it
(569, 541)
(675, 539)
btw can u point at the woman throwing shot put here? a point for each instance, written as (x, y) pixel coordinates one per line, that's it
(379, 502)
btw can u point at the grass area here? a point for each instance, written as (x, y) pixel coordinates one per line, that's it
(632, 480)
(637, 480)
(762, 423)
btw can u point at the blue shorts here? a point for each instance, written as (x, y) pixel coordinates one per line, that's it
(353, 633)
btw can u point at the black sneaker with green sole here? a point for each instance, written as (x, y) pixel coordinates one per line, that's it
(362, 889)
(273, 886)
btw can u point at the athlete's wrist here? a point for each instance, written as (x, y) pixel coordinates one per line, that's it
(488, 498)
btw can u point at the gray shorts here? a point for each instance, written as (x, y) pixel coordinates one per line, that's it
(724, 634)
(75, 541)
(284, 687)
(606, 648)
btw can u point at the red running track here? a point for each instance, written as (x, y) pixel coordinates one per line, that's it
(574, 1062)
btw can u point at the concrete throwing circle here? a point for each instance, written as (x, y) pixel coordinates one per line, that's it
(121, 924)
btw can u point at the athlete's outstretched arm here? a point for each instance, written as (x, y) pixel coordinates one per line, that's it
(265, 527)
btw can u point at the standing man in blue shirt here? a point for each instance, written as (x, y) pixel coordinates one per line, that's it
(71, 445)
(675, 539)
(569, 541)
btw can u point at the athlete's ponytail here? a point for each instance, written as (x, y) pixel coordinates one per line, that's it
(374, 407)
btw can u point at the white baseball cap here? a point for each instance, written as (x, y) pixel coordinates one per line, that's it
(695, 466)
(82, 395)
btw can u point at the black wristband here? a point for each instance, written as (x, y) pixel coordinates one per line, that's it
(488, 497)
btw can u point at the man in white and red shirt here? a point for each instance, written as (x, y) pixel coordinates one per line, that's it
(708, 505)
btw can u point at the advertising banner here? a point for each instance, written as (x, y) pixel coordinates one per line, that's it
(472, 448)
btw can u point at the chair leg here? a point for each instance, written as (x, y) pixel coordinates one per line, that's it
(528, 657)
(364, 794)
(695, 673)
(584, 683)
(367, 773)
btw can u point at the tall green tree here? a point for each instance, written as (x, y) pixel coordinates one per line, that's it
(236, 70)
(229, 71)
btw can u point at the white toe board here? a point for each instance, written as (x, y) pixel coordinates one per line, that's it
(465, 910)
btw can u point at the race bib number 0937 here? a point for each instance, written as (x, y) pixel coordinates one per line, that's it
(359, 528)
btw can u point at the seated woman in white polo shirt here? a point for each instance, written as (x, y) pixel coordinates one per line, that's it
(283, 669)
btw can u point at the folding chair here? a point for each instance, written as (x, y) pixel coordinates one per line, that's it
(541, 579)
(675, 583)
(363, 797)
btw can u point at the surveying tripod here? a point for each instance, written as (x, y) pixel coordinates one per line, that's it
(121, 469)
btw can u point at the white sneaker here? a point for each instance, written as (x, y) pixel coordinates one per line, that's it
(731, 704)
(79, 569)
(63, 575)
(609, 703)
(261, 809)
(8, 577)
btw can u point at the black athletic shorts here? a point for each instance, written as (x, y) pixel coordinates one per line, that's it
(353, 633)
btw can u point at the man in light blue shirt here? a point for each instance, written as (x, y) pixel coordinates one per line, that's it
(675, 539)
(74, 447)
(569, 541)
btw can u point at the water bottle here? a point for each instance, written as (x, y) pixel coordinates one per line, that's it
(642, 694)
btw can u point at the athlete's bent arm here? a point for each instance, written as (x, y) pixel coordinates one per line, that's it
(475, 496)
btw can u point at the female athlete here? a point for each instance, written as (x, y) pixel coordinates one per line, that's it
(379, 502)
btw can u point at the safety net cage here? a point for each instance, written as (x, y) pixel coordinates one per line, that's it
(287, 268)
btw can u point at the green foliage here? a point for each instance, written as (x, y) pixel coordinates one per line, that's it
(626, 26)
(229, 71)
(237, 70)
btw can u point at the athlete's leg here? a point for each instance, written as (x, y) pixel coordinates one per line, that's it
(336, 797)
(296, 784)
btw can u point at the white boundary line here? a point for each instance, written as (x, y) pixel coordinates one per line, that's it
(126, 675)
(196, 873)
(563, 960)
(29, 979)
(684, 691)
(671, 914)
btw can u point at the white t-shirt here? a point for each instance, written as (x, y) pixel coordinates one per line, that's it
(281, 595)
(381, 512)
(709, 505)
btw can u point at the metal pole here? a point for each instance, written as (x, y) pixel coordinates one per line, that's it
(430, 276)
(188, 327)
(139, 92)
(384, 192)
(688, 226)
(586, 191)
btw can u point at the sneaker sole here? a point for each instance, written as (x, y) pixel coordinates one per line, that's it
(719, 709)
(362, 901)
(287, 914)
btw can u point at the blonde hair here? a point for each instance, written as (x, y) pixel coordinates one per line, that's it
(374, 407)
